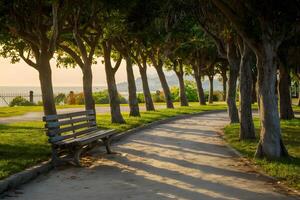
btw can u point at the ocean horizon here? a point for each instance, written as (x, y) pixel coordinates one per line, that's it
(37, 89)
(7, 93)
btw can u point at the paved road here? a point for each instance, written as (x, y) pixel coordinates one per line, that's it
(184, 159)
(37, 116)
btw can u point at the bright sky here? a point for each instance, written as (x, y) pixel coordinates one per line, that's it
(20, 74)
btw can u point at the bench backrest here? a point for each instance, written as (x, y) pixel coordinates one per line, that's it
(70, 125)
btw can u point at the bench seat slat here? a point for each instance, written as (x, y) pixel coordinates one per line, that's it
(67, 115)
(86, 139)
(71, 128)
(71, 121)
(57, 138)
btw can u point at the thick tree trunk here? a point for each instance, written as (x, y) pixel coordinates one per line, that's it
(88, 88)
(231, 95)
(270, 144)
(183, 97)
(211, 89)
(114, 101)
(254, 90)
(45, 76)
(165, 87)
(200, 91)
(224, 80)
(234, 63)
(146, 90)
(133, 101)
(298, 97)
(246, 125)
(286, 110)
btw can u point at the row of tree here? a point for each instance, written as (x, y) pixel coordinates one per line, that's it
(249, 40)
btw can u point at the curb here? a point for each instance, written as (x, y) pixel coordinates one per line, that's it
(25, 176)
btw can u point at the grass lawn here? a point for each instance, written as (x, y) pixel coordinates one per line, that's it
(24, 144)
(286, 170)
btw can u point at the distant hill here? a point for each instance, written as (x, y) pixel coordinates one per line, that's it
(172, 80)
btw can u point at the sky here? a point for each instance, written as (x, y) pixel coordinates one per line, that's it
(20, 74)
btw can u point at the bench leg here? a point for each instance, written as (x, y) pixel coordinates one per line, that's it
(77, 155)
(55, 157)
(107, 142)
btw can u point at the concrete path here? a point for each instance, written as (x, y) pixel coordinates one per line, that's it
(37, 116)
(184, 159)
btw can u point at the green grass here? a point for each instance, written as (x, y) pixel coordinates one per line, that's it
(21, 145)
(24, 144)
(286, 170)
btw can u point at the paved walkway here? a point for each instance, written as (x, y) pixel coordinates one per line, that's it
(184, 159)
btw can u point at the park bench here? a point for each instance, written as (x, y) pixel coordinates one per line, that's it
(73, 134)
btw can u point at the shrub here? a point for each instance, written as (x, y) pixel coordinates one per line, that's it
(175, 93)
(190, 89)
(217, 96)
(20, 101)
(158, 96)
(122, 99)
(141, 98)
(60, 98)
(79, 99)
(102, 97)
(71, 100)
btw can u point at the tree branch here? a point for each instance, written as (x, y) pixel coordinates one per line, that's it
(238, 24)
(26, 59)
(118, 64)
(73, 54)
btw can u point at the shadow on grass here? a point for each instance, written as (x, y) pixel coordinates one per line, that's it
(286, 169)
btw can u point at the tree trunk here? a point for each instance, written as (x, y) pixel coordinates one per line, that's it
(234, 63)
(88, 88)
(284, 90)
(133, 101)
(183, 97)
(299, 97)
(165, 87)
(200, 91)
(211, 89)
(146, 90)
(45, 76)
(270, 144)
(247, 130)
(224, 79)
(114, 101)
(254, 90)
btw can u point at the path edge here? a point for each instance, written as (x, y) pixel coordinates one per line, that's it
(15, 180)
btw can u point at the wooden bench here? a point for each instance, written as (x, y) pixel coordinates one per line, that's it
(74, 133)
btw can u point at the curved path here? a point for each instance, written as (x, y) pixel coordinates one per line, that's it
(184, 159)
